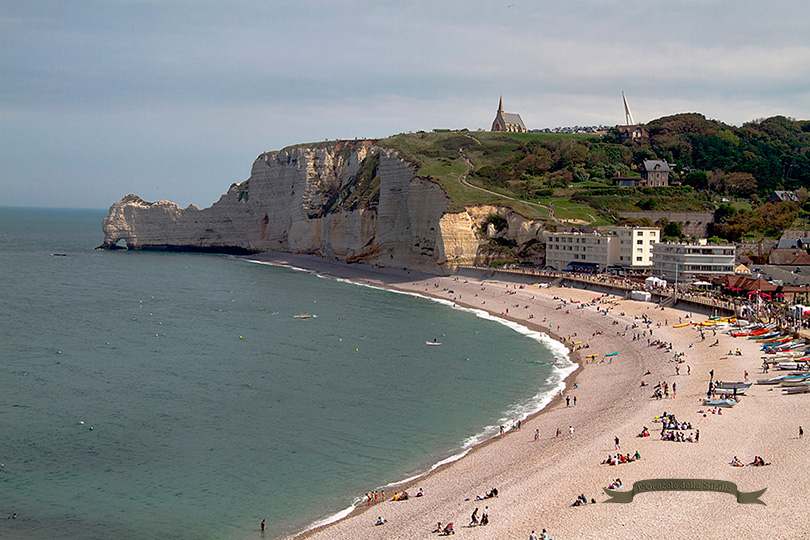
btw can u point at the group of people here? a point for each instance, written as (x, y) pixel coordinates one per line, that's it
(616, 484)
(489, 495)
(618, 459)
(582, 500)
(758, 462)
(669, 421)
(447, 530)
(483, 520)
(679, 436)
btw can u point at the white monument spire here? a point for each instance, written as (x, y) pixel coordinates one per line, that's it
(628, 116)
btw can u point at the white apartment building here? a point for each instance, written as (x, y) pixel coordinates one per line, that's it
(634, 247)
(594, 252)
(684, 262)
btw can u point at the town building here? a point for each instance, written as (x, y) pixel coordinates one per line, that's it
(784, 196)
(634, 247)
(627, 247)
(687, 262)
(507, 121)
(655, 173)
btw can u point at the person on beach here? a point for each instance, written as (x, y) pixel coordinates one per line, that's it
(485, 516)
(262, 525)
(570, 431)
(474, 518)
(616, 441)
(801, 432)
(567, 401)
(559, 432)
(533, 536)
(536, 434)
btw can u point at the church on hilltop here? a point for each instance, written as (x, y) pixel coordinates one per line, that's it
(508, 121)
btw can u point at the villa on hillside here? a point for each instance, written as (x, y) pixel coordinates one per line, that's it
(508, 121)
(655, 173)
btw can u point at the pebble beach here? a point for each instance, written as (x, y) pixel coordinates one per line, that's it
(538, 479)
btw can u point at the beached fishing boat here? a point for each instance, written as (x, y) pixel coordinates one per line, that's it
(775, 380)
(793, 365)
(719, 402)
(730, 391)
(801, 381)
(797, 390)
(722, 384)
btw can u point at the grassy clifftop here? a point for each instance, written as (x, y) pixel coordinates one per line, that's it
(568, 177)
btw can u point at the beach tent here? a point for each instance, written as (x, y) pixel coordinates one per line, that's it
(653, 281)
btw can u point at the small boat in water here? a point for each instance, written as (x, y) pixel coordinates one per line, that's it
(434, 342)
(304, 315)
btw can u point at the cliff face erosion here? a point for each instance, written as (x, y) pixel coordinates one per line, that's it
(350, 201)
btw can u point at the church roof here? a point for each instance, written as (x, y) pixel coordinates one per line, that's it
(513, 118)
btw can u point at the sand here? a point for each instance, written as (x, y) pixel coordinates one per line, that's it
(538, 480)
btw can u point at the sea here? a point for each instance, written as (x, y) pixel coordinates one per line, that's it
(177, 396)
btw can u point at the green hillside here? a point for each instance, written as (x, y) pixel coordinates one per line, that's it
(535, 173)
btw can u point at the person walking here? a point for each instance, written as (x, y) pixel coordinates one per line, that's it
(570, 431)
(616, 441)
(262, 525)
(801, 432)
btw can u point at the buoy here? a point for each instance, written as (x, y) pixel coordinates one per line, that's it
(91, 428)
(156, 335)
(240, 337)
(81, 422)
(357, 349)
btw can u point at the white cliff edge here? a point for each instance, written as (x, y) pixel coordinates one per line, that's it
(350, 201)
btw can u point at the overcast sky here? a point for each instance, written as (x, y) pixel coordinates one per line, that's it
(175, 99)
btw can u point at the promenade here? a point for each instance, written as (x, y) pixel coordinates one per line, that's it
(614, 284)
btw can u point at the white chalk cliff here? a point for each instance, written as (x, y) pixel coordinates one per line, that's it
(351, 201)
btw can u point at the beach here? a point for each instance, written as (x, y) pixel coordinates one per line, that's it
(538, 480)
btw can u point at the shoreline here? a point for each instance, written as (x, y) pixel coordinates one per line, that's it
(538, 480)
(566, 381)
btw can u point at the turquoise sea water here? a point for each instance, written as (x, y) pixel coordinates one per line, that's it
(166, 395)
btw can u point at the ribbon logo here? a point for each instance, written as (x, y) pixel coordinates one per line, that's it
(677, 484)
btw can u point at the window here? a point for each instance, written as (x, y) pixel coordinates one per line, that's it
(639, 241)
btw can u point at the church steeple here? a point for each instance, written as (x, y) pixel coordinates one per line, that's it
(500, 105)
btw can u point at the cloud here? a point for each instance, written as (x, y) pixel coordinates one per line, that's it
(105, 97)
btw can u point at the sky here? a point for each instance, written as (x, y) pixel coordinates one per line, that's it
(176, 99)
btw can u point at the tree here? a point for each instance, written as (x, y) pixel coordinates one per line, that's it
(697, 179)
(740, 184)
(673, 228)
